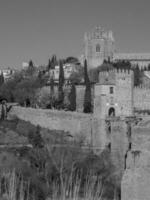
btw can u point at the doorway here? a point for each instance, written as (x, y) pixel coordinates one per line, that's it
(111, 112)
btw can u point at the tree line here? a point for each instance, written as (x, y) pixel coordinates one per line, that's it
(24, 84)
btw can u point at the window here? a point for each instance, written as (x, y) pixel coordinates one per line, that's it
(111, 90)
(98, 48)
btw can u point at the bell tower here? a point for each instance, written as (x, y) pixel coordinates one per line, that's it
(98, 46)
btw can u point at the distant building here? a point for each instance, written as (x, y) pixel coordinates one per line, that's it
(7, 73)
(99, 45)
(140, 59)
(25, 65)
(69, 68)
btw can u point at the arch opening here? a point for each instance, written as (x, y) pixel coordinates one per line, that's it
(111, 112)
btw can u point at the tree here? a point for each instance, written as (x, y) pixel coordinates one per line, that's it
(86, 77)
(71, 60)
(94, 75)
(41, 79)
(26, 91)
(78, 75)
(61, 84)
(54, 62)
(8, 88)
(149, 67)
(72, 97)
(52, 92)
(137, 76)
(122, 64)
(105, 67)
(1, 79)
(87, 97)
(49, 65)
(31, 69)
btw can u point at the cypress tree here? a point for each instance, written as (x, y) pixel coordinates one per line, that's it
(87, 96)
(137, 76)
(72, 97)
(86, 77)
(31, 69)
(49, 65)
(61, 84)
(53, 62)
(1, 79)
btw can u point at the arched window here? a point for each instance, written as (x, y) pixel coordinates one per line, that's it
(98, 48)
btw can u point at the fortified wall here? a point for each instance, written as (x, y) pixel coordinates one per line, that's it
(79, 125)
(93, 130)
(141, 98)
(80, 93)
(112, 134)
(136, 178)
(120, 141)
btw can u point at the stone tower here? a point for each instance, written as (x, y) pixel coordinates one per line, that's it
(124, 94)
(114, 94)
(98, 46)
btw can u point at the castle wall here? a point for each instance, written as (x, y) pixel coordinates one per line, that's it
(80, 93)
(136, 178)
(141, 98)
(124, 92)
(72, 122)
(119, 144)
(80, 125)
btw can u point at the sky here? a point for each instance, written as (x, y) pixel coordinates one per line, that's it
(37, 29)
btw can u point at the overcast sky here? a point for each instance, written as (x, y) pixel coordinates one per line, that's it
(36, 29)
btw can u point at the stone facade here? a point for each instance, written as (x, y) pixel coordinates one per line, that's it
(141, 98)
(114, 94)
(99, 45)
(78, 125)
(140, 59)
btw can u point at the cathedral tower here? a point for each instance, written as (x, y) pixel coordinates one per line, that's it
(98, 46)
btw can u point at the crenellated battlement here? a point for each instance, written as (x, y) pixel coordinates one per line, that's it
(124, 71)
(141, 88)
(106, 73)
(116, 72)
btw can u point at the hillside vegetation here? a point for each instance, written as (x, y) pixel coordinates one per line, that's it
(37, 163)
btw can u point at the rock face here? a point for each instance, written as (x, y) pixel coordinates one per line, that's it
(136, 179)
(135, 184)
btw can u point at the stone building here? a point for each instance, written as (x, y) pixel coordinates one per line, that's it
(99, 45)
(115, 95)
